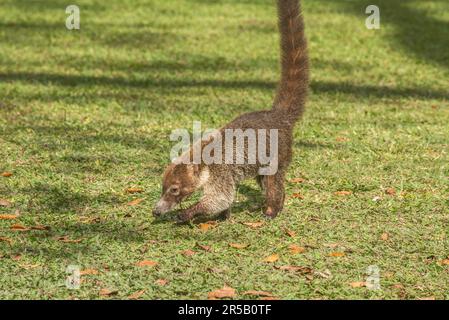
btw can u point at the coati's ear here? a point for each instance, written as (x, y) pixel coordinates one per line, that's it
(194, 170)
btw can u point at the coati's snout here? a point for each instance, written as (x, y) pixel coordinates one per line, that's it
(179, 182)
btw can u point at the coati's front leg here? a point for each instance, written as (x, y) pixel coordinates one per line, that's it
(274, 193)
(214, 202)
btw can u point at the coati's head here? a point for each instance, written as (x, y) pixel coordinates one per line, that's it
(179, 181)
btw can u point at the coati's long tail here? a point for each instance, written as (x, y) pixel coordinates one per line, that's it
(292, 91)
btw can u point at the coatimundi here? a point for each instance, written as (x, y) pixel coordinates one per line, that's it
(219, 181)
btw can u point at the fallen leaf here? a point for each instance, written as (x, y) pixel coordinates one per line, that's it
(6, 174)
(188, 253)
(398, 286)
(204, 247)
(225, 292)
(390, 191)
(324, 274)
(295, 249)
(206, 226)
(271, 258)
(253, 224)
(290, 233)
(134, 190)
(161, 282)
(5, 203)
(299, 269)
(6, 239)
(88, 272)
(445, 261)
(8, 216)
(258, 293)
(238, 245)
(108, 292)
(297, 196)
(17, 257)
(297, 180)
(40, 227)
(136, 295)
(146, 263)
(343, 193)
(358, 284)
(135, 202)
(384, 236)
(341, 139)
(66, 239)
(337, 254)
(19, 227)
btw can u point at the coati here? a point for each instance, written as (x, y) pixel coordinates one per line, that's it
(219, 181)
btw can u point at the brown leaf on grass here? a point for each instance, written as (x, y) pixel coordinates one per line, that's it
(108, 292)
(207, 225)
(5, 203)
(337, 254)
(40, 227)
(297, 196)
(341, 139)
(343, 193)
(204, 247)
(225, 292)
(5, 239)
(300, 269)
(238, 245)
(188, 253)
(161, 282)
(295, 249)
(16, 257)
(271, 258)
(445, 262)
(6, 174)
(290, 233)
(390, 191)
(384, 236)
(257, 293)
(8, 216)
(19, 227)
(136, 295)
(254, 224)
(66, 239)
(135, 202)
(134, 190)
(297, 180)
(88, 272)
(358, 284)
(146, 263)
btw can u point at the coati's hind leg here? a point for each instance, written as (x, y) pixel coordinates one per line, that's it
(274, 194)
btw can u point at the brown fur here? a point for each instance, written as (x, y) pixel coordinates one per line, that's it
(219, 181)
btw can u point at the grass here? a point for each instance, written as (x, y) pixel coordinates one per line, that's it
(86, 114)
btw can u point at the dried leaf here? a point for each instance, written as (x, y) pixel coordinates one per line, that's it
(5, 239)
(325, 274)
(290, 233)
(5, 203)
(358, 284)
(299, 269)
(6, 174)
(445, 262)
(297, 196)
(390, 191)
(161, 282)
(295, 249)
(258, 293)
(40, 227)
(337, 254)
(341, 139)
(204, 247)
(8, 216)
(188, 253)
(136, 295)
(254, 224)
(297, 180)
(272, 258)
(238, 245)
(343, 193)
(146, 263)
(135, 202)
(108, 292)
(88, 272)
(66, 239)
(19, 227)
(206, 226)
(134, 190)
(384, 236)
(225, 292)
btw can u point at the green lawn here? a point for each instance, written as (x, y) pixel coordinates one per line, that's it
(86, 114)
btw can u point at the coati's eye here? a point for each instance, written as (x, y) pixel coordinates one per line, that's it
(174, 190)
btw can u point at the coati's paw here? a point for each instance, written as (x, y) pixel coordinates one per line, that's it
(184, 216)
(271, 213)
(225, 214)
